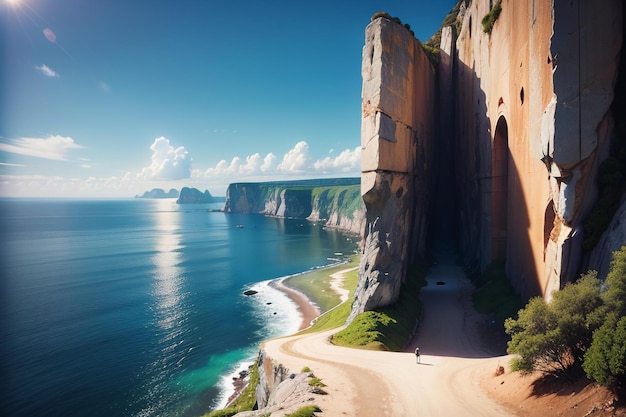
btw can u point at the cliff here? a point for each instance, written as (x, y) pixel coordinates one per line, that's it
(397, 139)
(335, 202)
(195, 196)
(497, 147)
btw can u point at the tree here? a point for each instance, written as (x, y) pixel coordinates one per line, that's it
(605, 361)
(553, 337)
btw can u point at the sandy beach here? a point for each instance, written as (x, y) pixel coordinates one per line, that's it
(307, 309)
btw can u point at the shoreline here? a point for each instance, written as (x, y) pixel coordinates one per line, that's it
(307, 309)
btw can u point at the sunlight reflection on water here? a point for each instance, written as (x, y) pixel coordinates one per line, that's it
(168, 304)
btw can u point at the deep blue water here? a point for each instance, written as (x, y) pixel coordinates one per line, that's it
(135, 307)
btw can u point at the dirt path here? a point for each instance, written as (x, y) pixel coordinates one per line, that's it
(367, 383)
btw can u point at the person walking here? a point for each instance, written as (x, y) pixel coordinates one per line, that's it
(417, 355)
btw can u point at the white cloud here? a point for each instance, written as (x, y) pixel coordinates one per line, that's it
(269, 163)
(47, 71)
(346, 161)
(168, 163)
(53, 147)
(296, 160)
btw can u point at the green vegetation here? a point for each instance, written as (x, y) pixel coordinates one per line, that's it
(583, 329)
(345, 200)
(316, 284)
(308, 411)
(316, 382)
(246, 400)
(490, 18)
(605, 361)
(337, 317)
(451, 19)
(387, 328)
(494, 294)
(387, 16)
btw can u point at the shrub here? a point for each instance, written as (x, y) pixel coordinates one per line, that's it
(308, 411)
(605, 361)
(490, 18)
(316, 382)
(553, 338)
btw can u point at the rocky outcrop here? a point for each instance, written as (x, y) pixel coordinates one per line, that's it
(397, 133)
(336, 203)
(280, 391)
(195, 196)
(159, 193)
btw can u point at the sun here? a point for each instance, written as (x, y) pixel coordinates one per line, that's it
(12, 2)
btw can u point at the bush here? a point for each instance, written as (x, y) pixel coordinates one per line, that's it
(582, 329)
(490, 18)
(605, 361)
(553, 338)
(308, 411)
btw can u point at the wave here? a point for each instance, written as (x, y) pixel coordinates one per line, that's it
(279, 316)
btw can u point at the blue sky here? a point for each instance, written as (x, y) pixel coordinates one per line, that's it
(112, 98)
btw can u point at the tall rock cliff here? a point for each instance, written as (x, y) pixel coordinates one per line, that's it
(335, 202)
(533, 122)
(397, 134)
(512, 129)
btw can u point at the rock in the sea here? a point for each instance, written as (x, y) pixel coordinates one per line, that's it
(250, 292)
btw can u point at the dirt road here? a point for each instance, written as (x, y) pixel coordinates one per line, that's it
(367, 383)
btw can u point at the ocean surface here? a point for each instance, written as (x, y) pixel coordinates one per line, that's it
(135, 307)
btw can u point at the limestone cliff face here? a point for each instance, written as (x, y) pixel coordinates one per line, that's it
(397, 134)
(337, 203)
(512, 131)
(532, 125)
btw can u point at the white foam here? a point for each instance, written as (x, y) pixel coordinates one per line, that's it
(278, 315)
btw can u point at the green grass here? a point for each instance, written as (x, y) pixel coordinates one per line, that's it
(316, 284)
(388, 328)
(490, 18)
(495, 295)
(246, 401)
(308, 411)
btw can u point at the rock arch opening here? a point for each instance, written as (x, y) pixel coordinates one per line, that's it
(500, 190)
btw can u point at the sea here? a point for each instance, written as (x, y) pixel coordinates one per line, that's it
(135, 307)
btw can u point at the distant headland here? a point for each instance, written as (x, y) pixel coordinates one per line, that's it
(186, 195)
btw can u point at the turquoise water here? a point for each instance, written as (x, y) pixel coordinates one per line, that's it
(135, 307)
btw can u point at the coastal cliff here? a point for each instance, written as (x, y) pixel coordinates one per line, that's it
(397, 136)
(500, 146)
(336, 203)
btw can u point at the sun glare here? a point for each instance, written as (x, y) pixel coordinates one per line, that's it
(12, 2)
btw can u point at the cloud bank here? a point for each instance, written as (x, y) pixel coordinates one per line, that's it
(297, 161)
(169, 167)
